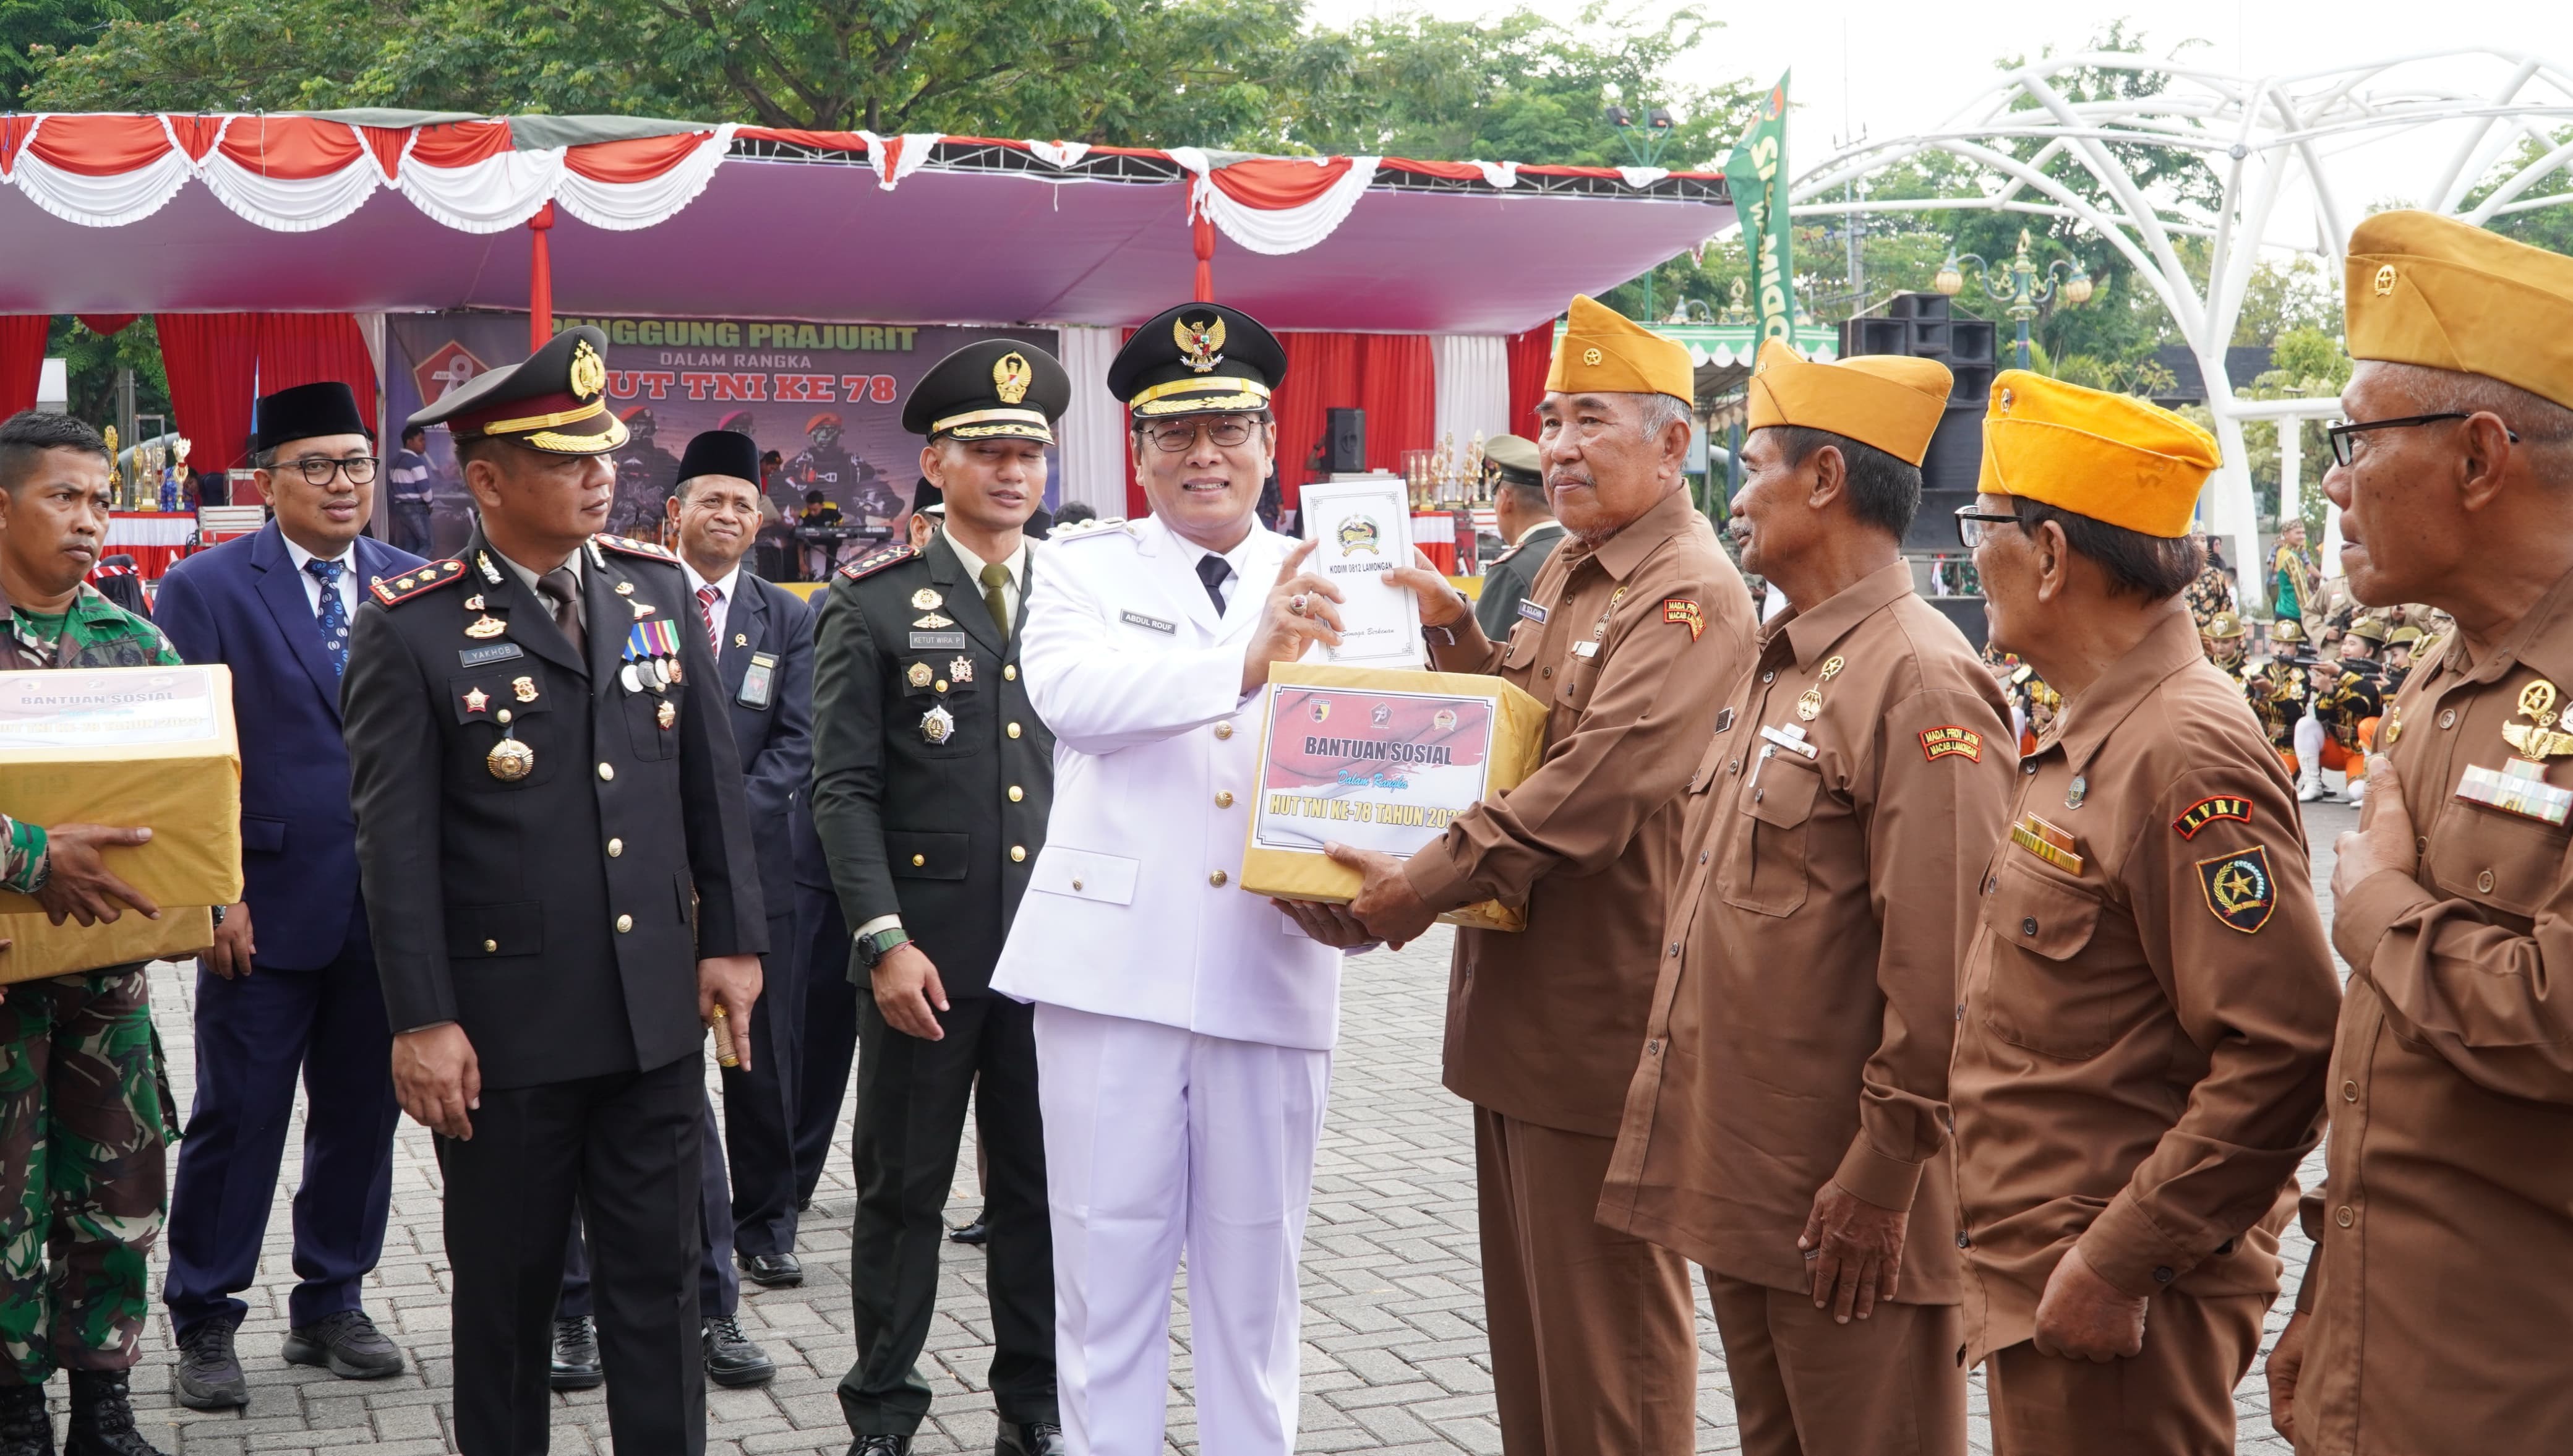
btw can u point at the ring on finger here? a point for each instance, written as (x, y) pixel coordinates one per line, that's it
(1297, 605)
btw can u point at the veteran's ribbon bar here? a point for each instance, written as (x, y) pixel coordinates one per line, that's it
(2518, 787)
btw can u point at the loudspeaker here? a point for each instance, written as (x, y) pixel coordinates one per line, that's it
(1344, 442)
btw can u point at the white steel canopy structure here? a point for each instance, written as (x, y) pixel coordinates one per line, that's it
(2270, 144)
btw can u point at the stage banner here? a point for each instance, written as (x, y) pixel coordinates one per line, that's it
(826, 397)
(1757, 174)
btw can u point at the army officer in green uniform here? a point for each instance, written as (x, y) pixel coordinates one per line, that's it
(931, 781)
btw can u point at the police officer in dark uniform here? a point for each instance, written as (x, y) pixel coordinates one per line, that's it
(931, 781)
(558, 870)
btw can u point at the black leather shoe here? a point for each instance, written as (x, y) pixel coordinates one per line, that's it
(576, 1364)
(209, 1374)
(973, 1234)
(732, 1361)
(102, 1418)
(1030, 1438)
(24, 1428)
(347, 1343)
(880, 1446)
(773, 1271)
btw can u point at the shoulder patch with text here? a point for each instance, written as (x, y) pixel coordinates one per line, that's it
(1951, 740)
(2240, 891)
(2207, 811)
(1682, 610)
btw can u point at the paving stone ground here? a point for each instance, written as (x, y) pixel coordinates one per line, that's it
(1394, 1360)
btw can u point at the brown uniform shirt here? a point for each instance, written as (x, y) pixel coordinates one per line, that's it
(1801, 1033)
(2140, 1045)
(2443, 1290)
(1630, 645)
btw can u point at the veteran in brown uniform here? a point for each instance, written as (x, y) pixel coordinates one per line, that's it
(2439, 1299)
(1630, 634)
(1792, 1088)
(2146, 1010)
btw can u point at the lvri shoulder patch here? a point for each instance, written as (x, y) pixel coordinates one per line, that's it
(1684, 611)
(1949, 739)
(2240, 891)
(2207, 811)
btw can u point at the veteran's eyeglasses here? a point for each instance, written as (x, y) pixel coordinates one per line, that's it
(1974, 526)
(2343, 434)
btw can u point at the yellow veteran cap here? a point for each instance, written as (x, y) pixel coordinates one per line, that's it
(1879, 399)
(2430, 289)
(1603, 351)
(2112, 457)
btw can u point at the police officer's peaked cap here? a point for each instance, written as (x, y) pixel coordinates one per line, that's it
(556, 401)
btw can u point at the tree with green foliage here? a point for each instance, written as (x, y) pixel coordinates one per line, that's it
(1234, 74)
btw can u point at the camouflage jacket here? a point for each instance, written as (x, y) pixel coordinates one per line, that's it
(96, 633)
(22, 856)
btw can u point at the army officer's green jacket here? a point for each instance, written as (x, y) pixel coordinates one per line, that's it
(931, 774)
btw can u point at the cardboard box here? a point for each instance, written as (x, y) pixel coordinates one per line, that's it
(1379, 759)
(38, 948)
(124, 746)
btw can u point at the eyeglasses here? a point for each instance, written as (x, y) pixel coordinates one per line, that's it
(1227, 431)
(2344, 446)
(1972, 525)
(359, 469)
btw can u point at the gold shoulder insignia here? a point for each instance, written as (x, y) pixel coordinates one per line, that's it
(416, 582)
(631, 548)
(866, 566)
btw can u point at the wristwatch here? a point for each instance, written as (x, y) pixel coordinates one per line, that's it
(874, 948)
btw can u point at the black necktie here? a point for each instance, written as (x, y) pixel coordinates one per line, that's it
(562, 590)
(1215, 571)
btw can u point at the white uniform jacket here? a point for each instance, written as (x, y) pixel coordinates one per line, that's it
(1136, 908)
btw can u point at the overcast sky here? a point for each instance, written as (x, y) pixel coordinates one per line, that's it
(1878, 67)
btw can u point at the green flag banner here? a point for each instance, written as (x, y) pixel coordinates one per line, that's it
(1756, 174)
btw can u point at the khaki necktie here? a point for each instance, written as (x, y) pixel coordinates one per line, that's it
(996, 584)
(562, 588)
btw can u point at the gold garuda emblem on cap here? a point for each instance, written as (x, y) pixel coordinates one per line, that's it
(1009, 378)
(588, 370)
(2384, 280)
(1199, 343)
(2539, 739)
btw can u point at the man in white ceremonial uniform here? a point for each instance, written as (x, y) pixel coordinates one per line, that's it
(1184, 1028)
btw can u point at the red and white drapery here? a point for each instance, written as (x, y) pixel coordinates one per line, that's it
(297, 172)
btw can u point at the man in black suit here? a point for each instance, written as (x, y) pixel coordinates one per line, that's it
(1527, 523)
(558, 873)
(762, 636)
(931, 781)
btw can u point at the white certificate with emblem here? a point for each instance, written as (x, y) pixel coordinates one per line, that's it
(1361, 530)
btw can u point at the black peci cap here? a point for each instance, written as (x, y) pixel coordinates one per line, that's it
(307, 412)
(722, 452)
(1197, 359)
(925, 495)
(556, 401)
(1000, 388)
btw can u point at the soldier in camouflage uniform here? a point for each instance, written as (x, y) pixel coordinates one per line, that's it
(83, 1121)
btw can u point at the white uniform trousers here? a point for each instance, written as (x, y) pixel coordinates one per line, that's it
(1159, 1140)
